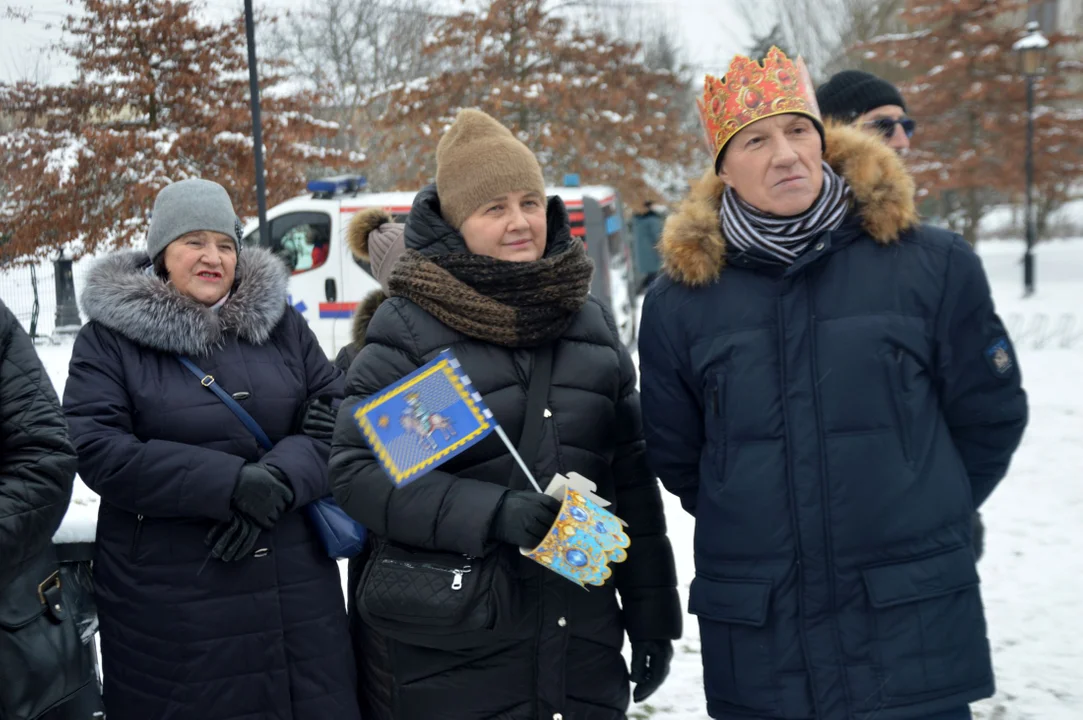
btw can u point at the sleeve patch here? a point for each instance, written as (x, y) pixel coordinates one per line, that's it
(999, 356)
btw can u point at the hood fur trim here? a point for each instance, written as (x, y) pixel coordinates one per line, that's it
(357, 232)
(121, 295)
(694, 251)
(363, 314)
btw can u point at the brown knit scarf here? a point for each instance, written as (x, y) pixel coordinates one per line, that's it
(514, 304)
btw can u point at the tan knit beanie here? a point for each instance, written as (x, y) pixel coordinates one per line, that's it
(479, 159)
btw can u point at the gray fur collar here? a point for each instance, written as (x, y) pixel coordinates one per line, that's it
(121, 295)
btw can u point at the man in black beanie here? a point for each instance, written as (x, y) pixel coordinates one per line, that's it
(855, 97)
(860, 98)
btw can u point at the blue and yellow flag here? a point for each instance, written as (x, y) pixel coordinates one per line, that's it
(423, 420)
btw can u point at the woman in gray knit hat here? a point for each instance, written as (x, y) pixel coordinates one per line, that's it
(216, 598)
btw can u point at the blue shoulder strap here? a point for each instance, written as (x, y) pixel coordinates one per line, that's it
(208, 382)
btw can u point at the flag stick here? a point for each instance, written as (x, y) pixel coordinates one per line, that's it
(515, 454)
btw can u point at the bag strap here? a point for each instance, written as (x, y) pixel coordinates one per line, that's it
(537, 401)
(208, 382)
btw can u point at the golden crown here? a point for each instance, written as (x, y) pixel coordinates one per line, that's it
(752, 91)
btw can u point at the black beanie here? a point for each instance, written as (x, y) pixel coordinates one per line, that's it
(851, 93)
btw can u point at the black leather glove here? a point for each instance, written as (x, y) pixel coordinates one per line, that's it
(524, 517)
(261, 494)
(650, 665)
(318, 418)
(233, 539)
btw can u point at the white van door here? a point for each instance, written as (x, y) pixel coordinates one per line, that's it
(305, 241)
(336, 313)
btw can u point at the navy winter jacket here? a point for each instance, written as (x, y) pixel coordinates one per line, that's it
(832, 426)
(185, 636)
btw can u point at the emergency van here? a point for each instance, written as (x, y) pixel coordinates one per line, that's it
(308, 233)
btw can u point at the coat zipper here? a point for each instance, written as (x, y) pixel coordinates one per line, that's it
(795, 520)
(136, 535)
(825, 489)
(456, 573)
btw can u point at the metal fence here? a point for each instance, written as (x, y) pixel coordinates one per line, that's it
(29, 291)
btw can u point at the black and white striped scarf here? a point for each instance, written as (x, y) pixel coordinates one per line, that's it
(781, 239)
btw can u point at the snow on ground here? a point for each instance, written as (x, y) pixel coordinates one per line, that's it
(1032, 573)
(1007, 221)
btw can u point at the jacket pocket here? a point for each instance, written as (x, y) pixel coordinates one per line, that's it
(928, 627)
(137, 535)
(737, 641)
(893, 365)
(715, 426)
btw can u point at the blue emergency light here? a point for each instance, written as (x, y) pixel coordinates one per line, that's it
(571, 180)
(338, 184)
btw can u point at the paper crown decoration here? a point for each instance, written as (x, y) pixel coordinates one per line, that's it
(585, 538)
(752, 91)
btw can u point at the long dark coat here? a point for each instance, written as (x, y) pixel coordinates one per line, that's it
(37, 461)
(832, 425)
(564, 658)
(185, 636)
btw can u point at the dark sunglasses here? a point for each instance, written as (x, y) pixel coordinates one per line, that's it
(886, 126)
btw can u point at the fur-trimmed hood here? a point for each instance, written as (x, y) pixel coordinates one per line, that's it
(358, 234)
(363, 314)
(693, 249)
(121, 295)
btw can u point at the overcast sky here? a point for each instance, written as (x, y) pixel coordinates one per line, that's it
(712, 32)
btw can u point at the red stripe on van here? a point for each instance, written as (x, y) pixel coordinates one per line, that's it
(391, 210)
(579, 231)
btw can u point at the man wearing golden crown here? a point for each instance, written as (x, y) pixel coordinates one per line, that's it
(828, 389)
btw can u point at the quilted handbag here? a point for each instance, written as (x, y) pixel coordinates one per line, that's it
(444, 600)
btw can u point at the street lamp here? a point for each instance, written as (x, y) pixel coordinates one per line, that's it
(1032, 49)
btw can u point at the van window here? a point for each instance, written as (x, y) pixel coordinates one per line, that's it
(302, 240)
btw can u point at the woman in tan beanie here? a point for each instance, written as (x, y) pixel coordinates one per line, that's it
(491, 271)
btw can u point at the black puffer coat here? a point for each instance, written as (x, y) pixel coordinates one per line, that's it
(374, 680)
(37, 462)
(184, 636)
(566, 659)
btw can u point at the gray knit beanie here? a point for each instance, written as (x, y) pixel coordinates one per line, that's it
(189, 206)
